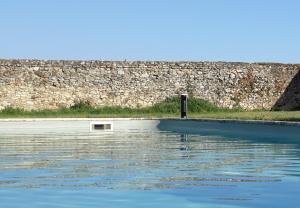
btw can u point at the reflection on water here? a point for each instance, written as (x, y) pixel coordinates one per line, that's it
(142, 161)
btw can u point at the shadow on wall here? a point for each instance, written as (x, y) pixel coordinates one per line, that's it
(290, 99)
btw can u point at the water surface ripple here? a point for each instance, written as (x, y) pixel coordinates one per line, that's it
(147, 169)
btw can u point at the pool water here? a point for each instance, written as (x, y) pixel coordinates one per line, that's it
(147, 169)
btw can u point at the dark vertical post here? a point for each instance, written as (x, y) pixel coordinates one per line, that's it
(184, 108)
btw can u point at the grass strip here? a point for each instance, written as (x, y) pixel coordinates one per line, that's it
(170, 108)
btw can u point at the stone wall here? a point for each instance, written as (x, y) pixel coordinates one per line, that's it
(36, 84)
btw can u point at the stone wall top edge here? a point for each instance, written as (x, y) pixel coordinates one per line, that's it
(83, 62)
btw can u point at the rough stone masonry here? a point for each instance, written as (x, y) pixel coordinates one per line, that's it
(37, 84)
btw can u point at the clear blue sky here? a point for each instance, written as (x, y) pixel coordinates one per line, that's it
(214, 30)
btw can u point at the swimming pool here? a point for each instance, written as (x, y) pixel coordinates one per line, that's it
(149, 163)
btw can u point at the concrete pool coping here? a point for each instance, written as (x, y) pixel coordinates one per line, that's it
(238, 121)
(276, 131)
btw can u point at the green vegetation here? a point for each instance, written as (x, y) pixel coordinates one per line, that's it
(252, 115)
(170, 108)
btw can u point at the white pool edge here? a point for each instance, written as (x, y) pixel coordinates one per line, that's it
(268, 122)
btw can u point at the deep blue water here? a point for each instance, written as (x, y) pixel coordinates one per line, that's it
(148, 170)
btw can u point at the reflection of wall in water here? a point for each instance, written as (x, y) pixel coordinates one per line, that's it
(145, 149)
(127, 158)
